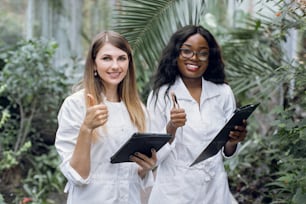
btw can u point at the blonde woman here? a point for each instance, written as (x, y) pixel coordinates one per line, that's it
(96, 120)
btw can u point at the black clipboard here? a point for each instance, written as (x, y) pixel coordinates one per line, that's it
(140, 142)
(222, 137)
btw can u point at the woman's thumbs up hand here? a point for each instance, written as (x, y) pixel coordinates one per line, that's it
(177, 116)
(96, 114)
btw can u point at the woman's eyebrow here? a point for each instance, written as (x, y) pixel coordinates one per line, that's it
(188, 45)
(110, 55)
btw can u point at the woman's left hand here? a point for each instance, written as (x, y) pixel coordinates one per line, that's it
(145, 163)
(235, 136)
(239, 133)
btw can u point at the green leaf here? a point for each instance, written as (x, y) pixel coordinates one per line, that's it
(148, 25)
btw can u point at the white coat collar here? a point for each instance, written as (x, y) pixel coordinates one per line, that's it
(209, 90)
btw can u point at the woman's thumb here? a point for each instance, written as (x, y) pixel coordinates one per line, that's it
(92, 100)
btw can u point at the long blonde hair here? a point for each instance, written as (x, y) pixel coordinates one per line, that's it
(127, 88)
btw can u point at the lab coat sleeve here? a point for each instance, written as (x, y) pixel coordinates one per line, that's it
(147, 181)
(157, 112)
(70, 118)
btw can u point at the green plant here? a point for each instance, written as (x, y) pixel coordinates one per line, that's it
(43, 179)
(34, 89)
(290, 140)
(11, 158)
(272, 168)
(4, 117)
(31, 82)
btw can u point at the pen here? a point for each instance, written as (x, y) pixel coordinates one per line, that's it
(175, 100)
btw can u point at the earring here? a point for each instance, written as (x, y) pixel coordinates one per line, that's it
(95, 73)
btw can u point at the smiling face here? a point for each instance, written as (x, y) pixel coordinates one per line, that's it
(194, 65)
(112, 65)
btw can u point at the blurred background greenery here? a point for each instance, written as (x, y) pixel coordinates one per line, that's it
(42, 52)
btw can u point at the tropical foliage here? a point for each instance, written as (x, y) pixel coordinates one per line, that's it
(31, 94)
(261, 65)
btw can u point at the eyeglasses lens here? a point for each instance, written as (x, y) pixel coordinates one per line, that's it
(187, 53)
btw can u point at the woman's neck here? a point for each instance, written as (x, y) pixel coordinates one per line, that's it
(194, 86)
(111, 94)
(192, 83)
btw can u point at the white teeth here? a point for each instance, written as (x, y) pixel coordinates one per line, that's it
(191, 66)
(114, 74)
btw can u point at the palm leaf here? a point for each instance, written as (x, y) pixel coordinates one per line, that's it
(254, 55)
(142, 20)
(148, 25)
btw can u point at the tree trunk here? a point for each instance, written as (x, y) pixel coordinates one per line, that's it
(68, 24)
(30, 19)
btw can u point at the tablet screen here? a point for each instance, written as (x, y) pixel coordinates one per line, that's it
(140, 142)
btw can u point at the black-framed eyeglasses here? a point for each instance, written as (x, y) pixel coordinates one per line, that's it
(187, 53)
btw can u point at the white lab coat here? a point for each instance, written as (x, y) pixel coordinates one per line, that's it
(107, 183)
(205, 182)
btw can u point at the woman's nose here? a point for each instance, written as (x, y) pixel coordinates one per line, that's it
(115, 64)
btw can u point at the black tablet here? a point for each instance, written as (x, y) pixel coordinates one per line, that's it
(140, 142)
(222, 137)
